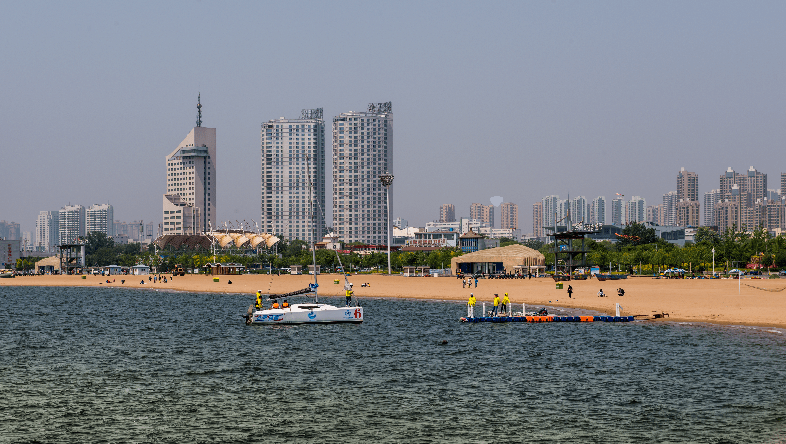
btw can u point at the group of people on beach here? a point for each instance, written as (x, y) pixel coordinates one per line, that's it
(601, 294)
(500, 306)
(468, 281)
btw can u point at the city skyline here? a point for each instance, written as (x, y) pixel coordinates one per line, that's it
(627, 112)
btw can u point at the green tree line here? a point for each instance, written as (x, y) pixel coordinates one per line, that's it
(638, 248)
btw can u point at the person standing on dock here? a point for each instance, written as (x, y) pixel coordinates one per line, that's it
(505, 302)
(471, 306)
(570, 292)
(496, 306)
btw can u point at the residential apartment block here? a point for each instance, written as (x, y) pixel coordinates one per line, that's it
(482, 212)
(71, 224)
(509, 216)
(598, 210)
(293, 176)
(47, 231)
(537, 219)
(100, 218)
(362, 152)
(447, 213)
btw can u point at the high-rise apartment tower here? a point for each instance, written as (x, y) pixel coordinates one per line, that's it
(362, 152)
(293, 176)
(447, 213)
(509, 216)
(483, 213)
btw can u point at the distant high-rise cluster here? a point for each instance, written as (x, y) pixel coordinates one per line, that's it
(744, 202)
(9, 230)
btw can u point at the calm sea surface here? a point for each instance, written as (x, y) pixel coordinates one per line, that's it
(112, 365)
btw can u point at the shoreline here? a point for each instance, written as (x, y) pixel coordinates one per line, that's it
(759, 303)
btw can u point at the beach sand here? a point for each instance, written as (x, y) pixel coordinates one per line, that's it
(760, 302)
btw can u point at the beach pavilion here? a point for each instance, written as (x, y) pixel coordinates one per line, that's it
(499, 260)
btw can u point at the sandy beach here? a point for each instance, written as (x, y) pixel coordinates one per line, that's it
(759, 302)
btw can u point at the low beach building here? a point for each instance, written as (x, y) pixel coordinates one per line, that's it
(140, 270)
(499, 260)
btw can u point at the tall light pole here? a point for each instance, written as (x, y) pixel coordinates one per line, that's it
(713, 261)
(387, 181)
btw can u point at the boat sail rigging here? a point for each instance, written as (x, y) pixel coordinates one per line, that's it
(310, 313)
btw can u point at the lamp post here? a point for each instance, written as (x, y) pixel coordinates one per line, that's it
(713, 261)
(387, 181)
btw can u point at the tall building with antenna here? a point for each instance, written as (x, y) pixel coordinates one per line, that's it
(189, 204)
(362, 152)
(293, 176)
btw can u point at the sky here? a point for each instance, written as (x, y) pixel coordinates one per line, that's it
(519, 99)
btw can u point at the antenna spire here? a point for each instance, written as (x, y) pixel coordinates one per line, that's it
(199, 110)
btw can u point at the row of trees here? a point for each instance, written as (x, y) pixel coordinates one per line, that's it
(100, 251)
(637, 248)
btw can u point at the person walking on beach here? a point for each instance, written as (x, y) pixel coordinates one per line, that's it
(601, 294)
(505, 302)
(570, 292)
(464, 283)
(476, 282)
(471, 306)
(496, 306)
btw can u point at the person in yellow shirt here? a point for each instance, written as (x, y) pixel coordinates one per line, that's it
(471, 306)
(496, 306)
(505, 302)
(259, 300)
(349, 294)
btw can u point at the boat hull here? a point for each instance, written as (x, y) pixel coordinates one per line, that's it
(307, 314)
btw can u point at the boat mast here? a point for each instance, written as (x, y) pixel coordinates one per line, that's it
(313, 229)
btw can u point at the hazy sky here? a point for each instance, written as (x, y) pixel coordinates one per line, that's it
(518, 99)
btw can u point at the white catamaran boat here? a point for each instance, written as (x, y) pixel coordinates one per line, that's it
(313, 313)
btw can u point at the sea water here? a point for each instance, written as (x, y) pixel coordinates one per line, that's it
(114, 365)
